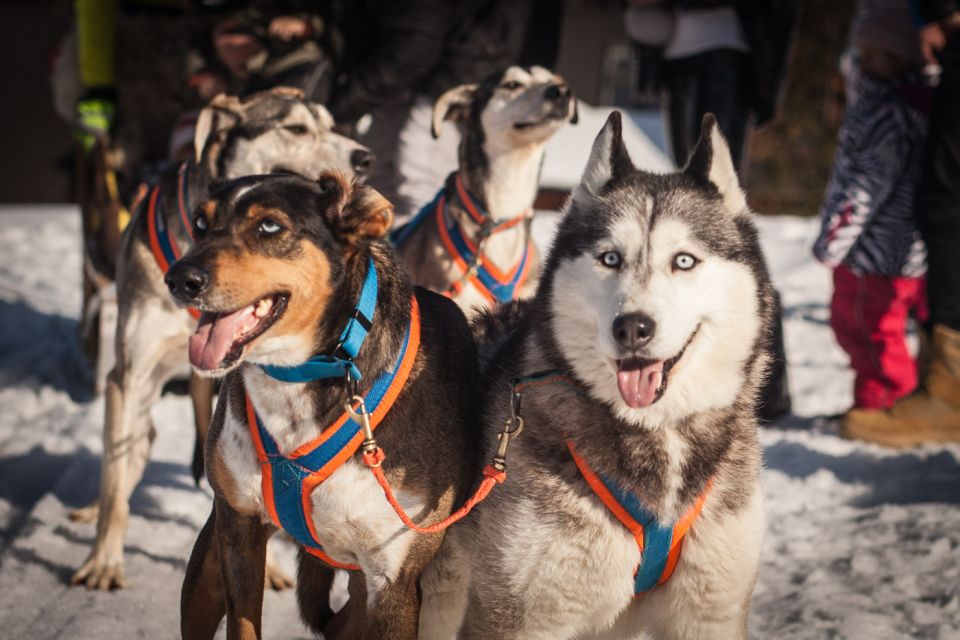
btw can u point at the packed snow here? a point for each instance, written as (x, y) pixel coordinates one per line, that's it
(862, 543)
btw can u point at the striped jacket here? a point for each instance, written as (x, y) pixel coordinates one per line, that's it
(867, 215)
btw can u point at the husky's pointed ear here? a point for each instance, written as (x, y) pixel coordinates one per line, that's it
(608, 158)
(354, 210)
(711, 160)
(453, 105)
(222, 113)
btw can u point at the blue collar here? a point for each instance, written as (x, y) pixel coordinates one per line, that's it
(340, 364)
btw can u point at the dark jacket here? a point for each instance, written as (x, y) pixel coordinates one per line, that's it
(936, 10)
(394, 50)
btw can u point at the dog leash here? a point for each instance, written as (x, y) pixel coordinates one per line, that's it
(494, 473)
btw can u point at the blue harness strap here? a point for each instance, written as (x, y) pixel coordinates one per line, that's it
(288, 480)
(657, 538)
(340, 364)
(659, 543)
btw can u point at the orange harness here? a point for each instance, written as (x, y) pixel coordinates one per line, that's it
(162, 244)
(495, 285)
(659, 543)
(287, 481)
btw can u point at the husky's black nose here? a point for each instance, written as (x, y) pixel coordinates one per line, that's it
(187, 281)
(633, 330)
(362, 160)
(558, 93)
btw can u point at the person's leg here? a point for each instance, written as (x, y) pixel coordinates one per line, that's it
(868, 317)
(938, 197)
(679, 111)
(723, 77)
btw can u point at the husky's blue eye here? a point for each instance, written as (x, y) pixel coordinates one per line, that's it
(684, 261)
(611, 259)
(510, 85)
(269, 226)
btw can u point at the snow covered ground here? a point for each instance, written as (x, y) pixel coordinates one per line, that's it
(863, 542)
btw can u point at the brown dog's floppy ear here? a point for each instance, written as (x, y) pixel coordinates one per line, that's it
(453, 105)
(221, 113)
(368, 214)
(359, 212)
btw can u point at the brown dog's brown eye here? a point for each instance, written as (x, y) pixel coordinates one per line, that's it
(296, 129)
(200, 223)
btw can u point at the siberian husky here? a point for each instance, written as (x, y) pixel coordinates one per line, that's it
(634, 371)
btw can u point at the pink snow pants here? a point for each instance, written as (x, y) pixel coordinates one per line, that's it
(868, 315)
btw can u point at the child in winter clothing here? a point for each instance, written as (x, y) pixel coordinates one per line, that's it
(868, 232)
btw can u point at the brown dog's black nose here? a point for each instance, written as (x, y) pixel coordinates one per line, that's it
(633, 330)
(559, 93)
(187, 281)
(362, 160)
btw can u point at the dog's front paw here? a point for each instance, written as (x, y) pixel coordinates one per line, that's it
(101, 571)
(85, 514)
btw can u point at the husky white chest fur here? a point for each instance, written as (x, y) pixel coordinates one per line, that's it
(632, 506)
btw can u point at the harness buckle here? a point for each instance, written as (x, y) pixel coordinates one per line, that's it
(362, 416)
(503, 441)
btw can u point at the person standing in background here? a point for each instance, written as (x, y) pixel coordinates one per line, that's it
(932, 413)
(869, 234)
(726, 57)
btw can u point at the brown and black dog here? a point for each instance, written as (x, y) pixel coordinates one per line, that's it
(278, 268)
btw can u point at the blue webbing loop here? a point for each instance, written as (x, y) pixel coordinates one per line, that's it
(320, 367)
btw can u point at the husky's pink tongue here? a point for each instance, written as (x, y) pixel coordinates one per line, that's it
(638, 385)
(216, 334)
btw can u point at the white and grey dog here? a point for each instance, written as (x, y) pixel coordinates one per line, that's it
(635, 370)
(473, 241)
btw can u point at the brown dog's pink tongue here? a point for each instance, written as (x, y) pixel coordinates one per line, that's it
(638, 385)
(215, 335)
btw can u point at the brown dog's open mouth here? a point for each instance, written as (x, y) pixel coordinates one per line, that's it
(220, 337)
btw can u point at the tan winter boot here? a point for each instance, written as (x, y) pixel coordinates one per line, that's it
(932, 414)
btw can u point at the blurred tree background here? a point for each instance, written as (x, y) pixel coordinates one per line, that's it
(790, 159)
